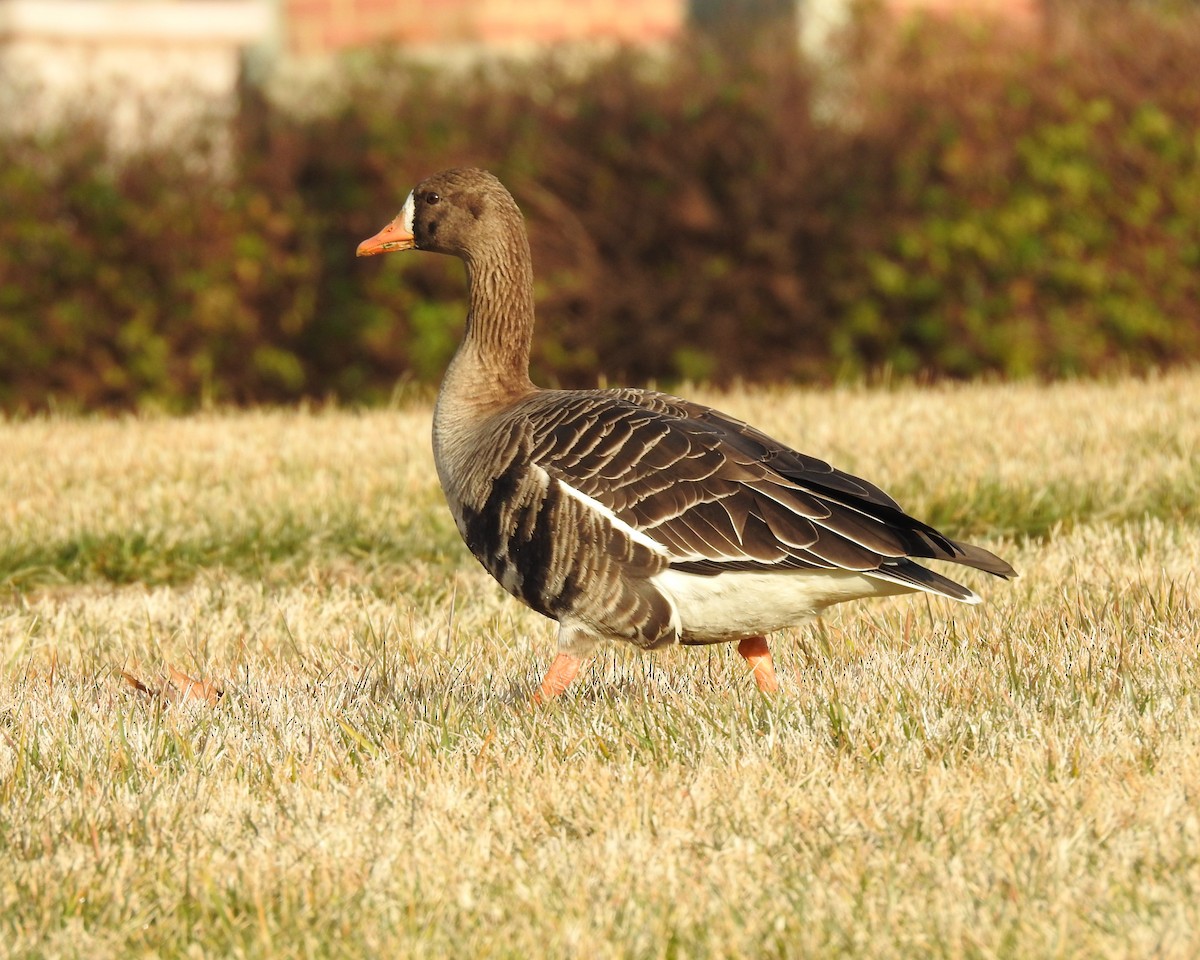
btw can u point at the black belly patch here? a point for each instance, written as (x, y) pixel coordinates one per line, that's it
(512, 535)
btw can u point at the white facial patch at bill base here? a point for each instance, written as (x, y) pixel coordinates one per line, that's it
(406, 212)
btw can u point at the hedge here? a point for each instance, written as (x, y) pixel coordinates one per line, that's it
(945, 200)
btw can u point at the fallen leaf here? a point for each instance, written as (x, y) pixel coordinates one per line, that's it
(189, 688)
(177, 688)
(137, 684)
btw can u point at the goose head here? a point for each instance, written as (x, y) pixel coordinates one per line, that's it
(462, 212)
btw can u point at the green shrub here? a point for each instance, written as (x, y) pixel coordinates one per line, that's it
(951, 202)
(1044, 218)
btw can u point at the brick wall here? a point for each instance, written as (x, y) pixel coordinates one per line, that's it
(324, 26)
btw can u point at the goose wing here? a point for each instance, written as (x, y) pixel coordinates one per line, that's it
(718, 495)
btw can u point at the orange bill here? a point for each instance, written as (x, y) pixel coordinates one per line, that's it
(391, 237)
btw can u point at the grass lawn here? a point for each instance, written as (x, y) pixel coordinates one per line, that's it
(1018, 779)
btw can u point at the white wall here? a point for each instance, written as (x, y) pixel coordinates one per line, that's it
(148, 65)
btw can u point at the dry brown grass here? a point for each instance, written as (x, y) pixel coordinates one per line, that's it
(1016, 780)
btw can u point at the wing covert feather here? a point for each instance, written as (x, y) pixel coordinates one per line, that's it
(718, 494)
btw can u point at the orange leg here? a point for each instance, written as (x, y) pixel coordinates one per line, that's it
(758, 655)
(562, 671)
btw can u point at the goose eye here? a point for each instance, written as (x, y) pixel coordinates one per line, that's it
(431, 198)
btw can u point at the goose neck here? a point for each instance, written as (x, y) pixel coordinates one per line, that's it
(500, 318)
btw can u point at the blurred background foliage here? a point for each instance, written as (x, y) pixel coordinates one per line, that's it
(949, 200)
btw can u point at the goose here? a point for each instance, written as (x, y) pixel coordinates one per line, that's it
(632, 515)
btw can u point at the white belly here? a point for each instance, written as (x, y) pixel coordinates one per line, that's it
(732, 606)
